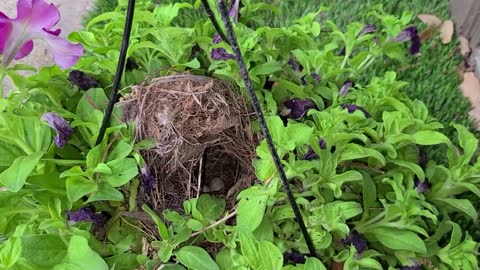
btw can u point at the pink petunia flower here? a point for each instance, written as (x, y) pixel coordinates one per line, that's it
(35, 20)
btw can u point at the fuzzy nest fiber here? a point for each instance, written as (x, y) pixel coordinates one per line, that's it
(204, 142)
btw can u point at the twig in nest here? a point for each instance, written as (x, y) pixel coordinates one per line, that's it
(199, 179)
(227, 217)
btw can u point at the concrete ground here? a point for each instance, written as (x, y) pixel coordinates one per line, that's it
(71, 13)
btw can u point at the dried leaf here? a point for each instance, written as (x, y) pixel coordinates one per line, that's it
(427, 33)
(464, 46)
(446, 31)
(430, 20)
(337, 265)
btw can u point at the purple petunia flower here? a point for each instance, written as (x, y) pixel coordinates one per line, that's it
(82, 80)
(410, 34)
(352, 108)
(311, 155)
(221, 53)
(293, 258)
(357, 240)
(61, 126)
(420, 186)
(368, 29)
(147, 179)
(299, 107)
(345, 87)
(293, 63)
(35, 20)
(85, 214)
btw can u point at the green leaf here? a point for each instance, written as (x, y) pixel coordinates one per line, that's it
(271, 258)
(299, 133)
(196, 258)
(145, 144)
(10, 252)
(106, 192)
(102, 168)
(81, 255)
(399, 239)
(123, 170)
(79, 186)
(195, 225)
(210, 207)
(162, 228)
(121, 150)
(415, 168)
(462, 205)
(314, 264)
(43, 251)
(467, 141)
(16, 175)
(428, 137)
(369, 191)
(8, 154)
(250, 211)
(248, 246)
(267, 68)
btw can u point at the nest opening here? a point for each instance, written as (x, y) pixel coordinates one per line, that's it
(204, 142)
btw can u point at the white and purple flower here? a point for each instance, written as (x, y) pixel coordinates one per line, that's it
(35, 20)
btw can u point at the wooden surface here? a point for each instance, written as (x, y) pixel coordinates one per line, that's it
(466, 14)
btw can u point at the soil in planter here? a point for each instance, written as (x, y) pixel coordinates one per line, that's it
(204, 142)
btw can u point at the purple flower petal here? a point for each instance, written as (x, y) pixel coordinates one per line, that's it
(415, 44)
(61, 126)
(25, 50)
(345, 87)
(82, 80)
(406, 34)
(293, 63)
(410, 34)
(148, 180)
(311, 155)
(343, 51)
(368, 29)
(421, 187)
(299, 107)
(35, 19)
(293, 258)
(234, 10)
(86, 214)
(219, 53)
(352, 108)
(357, 240)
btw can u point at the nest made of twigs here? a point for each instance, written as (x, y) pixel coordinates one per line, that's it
(204, 142)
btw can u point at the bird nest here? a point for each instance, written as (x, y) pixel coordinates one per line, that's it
(203, 138)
